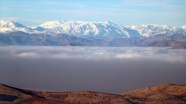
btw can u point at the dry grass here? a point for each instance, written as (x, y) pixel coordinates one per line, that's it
(162, 94)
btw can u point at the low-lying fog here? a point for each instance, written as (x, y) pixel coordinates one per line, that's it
(103, 69)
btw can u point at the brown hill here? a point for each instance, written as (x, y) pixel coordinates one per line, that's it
(162, 94)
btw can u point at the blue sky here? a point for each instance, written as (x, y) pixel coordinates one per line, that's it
(124, 12)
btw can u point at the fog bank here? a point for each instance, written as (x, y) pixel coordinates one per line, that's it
(104, 69)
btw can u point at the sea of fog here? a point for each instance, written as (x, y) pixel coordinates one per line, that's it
(102, 69)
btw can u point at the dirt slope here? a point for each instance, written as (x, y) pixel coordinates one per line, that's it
(162, 94)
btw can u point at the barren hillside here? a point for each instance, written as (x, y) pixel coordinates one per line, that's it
(162, 94)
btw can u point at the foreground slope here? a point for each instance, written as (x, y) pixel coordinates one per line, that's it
(162, 94)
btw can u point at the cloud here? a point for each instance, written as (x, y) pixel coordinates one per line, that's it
(5, 9)
(28, 55)
(10, 18)
(149, 3)
(127, 55)
(95, 53)
(52, 3)
(154, 5)
(122, 68)
(17, 8)
(22, 6)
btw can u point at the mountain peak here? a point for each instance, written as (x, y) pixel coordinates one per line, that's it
(184, 27)
(5, 23)
(154, 26)
(153, 29)
(103, 28)
(52, 24)
(10, 24)
(79, 28)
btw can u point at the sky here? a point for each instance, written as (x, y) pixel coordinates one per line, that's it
(123, 12)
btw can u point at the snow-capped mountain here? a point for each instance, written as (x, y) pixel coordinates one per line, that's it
(80, 33)
(184, 27)
(10, 26)
(147, 30)
(82, 28)
(77, 28)
(7, 26)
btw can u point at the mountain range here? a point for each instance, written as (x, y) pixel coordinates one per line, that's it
(81, 33)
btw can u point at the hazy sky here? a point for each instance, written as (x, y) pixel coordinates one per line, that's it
(124, 12)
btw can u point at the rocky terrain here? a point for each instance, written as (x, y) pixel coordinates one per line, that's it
(24, 39)
(161, 94)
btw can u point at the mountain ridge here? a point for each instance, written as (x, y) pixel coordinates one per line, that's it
(160, 94)
(80, 33)
(80, 28)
